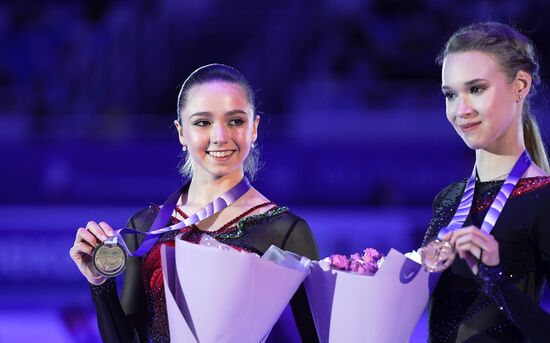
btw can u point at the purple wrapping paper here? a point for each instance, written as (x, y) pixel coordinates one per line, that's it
(386, 307)
(216, 295)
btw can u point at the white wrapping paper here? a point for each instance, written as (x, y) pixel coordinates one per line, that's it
(386, 307)
(215, 294)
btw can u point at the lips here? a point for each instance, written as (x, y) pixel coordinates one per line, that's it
(468, 127)
(221, 154)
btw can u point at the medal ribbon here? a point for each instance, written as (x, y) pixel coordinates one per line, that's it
(523, 162)
(165, 213)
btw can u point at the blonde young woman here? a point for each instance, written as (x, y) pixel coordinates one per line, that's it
(492, 290)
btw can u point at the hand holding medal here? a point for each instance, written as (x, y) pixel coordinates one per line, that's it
(85, 247)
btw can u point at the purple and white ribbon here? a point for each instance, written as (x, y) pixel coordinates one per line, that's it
(523, 162)
(166, 211)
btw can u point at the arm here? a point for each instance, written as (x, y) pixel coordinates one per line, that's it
(124, 320)
(299, 239)
(522, 311)
(518, 307)
(444, 206)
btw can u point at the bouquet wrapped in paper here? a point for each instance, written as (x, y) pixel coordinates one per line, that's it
(367, 298)
(215, 293)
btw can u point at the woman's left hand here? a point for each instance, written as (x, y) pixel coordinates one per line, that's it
(475, 246)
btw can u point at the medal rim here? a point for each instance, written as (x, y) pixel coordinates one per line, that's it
(440, 266)
(117, 271)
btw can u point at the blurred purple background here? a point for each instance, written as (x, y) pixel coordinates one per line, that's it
(352, 124)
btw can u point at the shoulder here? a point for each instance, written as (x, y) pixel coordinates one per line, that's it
(290, 218)
(534, 193)
(278, 218)
(142, 219)
(286, 230)
(449, 194)
(297, 225)
(539, 185)
(285, 221)
(443, 207)
(532, 196)
(298, 236)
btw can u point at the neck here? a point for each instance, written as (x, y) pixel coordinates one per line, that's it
(496, 161)
(495, 166)
(204, 189)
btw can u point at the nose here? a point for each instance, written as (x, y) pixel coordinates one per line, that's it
(219, 134)
(463, 107)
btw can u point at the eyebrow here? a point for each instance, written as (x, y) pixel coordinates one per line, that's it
(227, 114)
(467, 83)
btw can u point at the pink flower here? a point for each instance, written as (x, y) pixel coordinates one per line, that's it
(371, 267)
(339, 262)
(358, 266)
(371, 255)
(355, 257)
(366, 264)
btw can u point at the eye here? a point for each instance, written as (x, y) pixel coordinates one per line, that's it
(236, 122)
(449, 95)
(476, 89)
(201, 123)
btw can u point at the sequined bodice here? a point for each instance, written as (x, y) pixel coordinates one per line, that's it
(151, 267)
(458, 310)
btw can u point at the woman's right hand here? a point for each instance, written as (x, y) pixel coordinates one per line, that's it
(82, 250)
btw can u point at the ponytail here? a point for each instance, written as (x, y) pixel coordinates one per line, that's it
(533, 141)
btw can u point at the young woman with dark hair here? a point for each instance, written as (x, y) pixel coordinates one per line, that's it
(217, 126)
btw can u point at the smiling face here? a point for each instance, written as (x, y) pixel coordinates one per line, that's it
(218, 127)
(482, 104)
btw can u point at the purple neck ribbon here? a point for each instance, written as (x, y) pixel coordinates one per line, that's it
(166, 211)
(523, 162)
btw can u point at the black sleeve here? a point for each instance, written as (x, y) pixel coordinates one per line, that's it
(299, 240)
(519, 308)
(447, 198)
(124, 320)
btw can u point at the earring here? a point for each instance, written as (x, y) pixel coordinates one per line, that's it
(519, 98)
(253, 145)
(184, 148)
